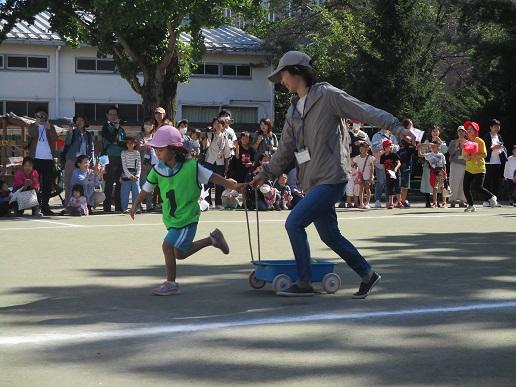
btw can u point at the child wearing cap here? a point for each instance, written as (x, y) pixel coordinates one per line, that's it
(476, 168)
(391, 163)
(230, 197)
(179, 180)
(509, 174)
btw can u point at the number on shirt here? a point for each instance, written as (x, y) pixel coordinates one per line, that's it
(171, 195)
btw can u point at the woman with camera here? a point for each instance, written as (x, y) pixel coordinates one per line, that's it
(42, 148)
(264, 140)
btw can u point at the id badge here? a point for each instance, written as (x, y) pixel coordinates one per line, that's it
(302, 156)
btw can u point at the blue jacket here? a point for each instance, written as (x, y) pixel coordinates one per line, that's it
(73, 144)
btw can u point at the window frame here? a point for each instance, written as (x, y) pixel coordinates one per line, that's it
(2, 65)
(3, 105)
(138, 106)
(204, 75)
(237, 65)
(27, 68)
(96, 71)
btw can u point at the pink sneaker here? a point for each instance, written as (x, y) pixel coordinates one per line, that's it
(167, 288)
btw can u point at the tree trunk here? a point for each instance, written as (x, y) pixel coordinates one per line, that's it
(161, 91)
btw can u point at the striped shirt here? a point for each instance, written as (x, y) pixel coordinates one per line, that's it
(131, 163)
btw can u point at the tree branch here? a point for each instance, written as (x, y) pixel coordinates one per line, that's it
(133, 80)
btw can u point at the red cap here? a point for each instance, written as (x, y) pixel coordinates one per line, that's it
(386, 143)
(475, 126)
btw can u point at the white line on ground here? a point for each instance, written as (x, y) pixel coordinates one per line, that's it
(56, 338)
(55, 222)
(129, 224)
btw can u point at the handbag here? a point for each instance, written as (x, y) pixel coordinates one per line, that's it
(26, 199)
(98, 195)
(359, 178)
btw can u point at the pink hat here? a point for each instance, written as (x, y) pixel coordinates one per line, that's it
(165, 136)
(475, 126)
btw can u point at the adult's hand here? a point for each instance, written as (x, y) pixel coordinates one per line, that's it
(257, 181)
(408, 133)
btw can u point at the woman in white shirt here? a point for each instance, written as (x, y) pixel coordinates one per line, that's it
(218, 152)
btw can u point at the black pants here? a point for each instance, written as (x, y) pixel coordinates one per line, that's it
(493, 176)
(475, 180)
(113, 173)
(46, 173)
(218, 169)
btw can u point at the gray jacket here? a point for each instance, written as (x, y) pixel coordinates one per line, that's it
(325, 135)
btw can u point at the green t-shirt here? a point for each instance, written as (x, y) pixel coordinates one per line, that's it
(180, 192)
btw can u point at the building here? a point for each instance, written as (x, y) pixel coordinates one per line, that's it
(37, 68)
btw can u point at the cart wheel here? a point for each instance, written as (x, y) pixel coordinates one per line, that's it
(254, 282)
(331, 283)
(281, 282)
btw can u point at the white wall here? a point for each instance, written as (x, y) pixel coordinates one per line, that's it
(105, 88)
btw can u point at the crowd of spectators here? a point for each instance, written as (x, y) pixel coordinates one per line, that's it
(382, 166)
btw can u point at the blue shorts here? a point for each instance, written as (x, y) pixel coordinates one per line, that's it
(181, 238)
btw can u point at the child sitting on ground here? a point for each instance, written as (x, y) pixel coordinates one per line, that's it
(391, 163)
(5, 197)
(271, 198)
(26, 179)
(77, 204)
(230, 197)
(284, 192)
(365, 166)
(437, 163)
(179, 180)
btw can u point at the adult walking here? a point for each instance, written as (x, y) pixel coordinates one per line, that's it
(78, 142)
(457, 168)
(495, 158)
(316, 135)
(42, 137)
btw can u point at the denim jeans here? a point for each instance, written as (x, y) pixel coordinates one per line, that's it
(318, 207)
(128, 187)
(380, 186)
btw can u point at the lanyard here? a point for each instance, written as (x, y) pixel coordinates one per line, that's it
(42, 135)
(302, 129)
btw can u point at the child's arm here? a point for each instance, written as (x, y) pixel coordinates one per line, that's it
(141, 197)
(398, 165)
(219, 180)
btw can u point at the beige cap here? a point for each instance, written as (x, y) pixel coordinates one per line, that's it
(291, 58)
(160, 110)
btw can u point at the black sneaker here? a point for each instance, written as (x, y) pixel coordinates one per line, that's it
(365, 289)
(48, 212)
(296, 291)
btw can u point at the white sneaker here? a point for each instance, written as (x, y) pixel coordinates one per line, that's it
(493, 202)
(377, 204)
(470, 209)
(486, 203)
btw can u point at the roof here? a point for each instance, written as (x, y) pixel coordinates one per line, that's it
(225, 38)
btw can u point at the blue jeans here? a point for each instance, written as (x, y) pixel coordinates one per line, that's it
(318, 207)
(379, 185)
(128, 187)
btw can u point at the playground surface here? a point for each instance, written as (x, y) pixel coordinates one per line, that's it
(76, 307)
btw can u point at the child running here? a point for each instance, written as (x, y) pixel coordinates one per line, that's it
(179, 180)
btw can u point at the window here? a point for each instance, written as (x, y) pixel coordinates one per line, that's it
(92, 65)
(86, 65)
(210, 69)
(228, 70)
(1, 61)
(21, 62)
(243, 115)
(96, 112)
(22, 108)
(200, 114)
(237, 71)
